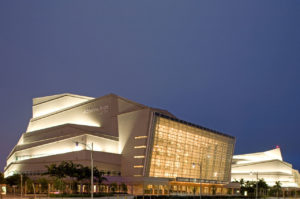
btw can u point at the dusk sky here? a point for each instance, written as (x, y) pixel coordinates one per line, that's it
(232, 66)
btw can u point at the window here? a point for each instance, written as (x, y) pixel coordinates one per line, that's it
(140, 137)
(139, 156)
(176, 146)
(138, 166)
(140, 147)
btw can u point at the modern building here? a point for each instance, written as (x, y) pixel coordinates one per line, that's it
(149, 149)
(267, 165)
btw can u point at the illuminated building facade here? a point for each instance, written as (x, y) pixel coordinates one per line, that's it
(149, 149)
(267, 165)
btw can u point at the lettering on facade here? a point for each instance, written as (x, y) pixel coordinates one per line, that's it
(97, 109)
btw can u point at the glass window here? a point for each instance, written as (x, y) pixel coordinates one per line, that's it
(177, 146)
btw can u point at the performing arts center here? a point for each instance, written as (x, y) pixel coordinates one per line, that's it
(267, 165)
(148, 149)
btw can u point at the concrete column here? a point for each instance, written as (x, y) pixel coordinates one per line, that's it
(143, 189)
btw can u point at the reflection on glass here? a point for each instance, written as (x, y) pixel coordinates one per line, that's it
(177, 146)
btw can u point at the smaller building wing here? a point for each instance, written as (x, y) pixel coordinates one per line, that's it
(274, 154)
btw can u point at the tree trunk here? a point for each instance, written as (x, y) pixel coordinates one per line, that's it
(25, 191)
(33, 189)
(48, 190)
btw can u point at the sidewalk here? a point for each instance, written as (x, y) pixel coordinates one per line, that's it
(46, 197)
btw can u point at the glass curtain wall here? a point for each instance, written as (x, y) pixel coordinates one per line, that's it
(182, 150)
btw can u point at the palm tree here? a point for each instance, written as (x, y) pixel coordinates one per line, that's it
(81, 173)
(71, 170)
(59, 172)
(262, 186)
(124, 188)
(249, 187)
(277, 187)
(113, 187)
(242, 183)
(99, 175)
(51, 170)
(2, 180)
(59, 184)
(13, 180)
(29, 184)
(74, 171)
(44, 185)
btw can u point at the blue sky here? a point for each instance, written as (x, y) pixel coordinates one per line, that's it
(232, 66)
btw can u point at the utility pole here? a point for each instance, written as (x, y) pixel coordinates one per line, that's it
(256, 191)
(92, 165)
(256, 184)
(200, 167)
(92, 172)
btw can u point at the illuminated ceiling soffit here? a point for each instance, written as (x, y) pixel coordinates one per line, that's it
(52, 104)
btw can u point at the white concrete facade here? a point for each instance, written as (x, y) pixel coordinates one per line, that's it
(267, 165)
(130, 141)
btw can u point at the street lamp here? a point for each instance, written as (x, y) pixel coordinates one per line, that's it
(200, 167)
(251, 173)
(92, 165)
(21, 185)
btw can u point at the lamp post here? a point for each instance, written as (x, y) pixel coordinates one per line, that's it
(21, 185)
(256, 191)
(92, 165)
(200, 167)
